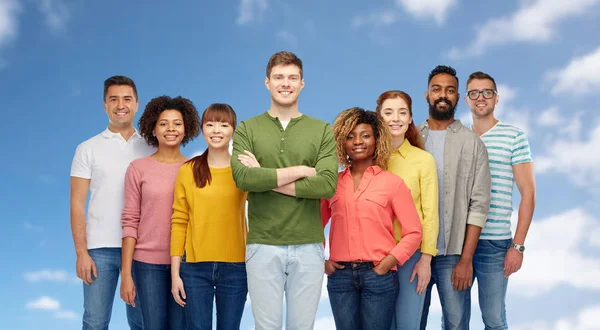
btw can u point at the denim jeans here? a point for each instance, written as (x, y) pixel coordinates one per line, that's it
(456, 305)
(488, 270)
(297, 271)
(153, 287)
(223, 282)
(362, 299)
(99, 296)
(409, 305)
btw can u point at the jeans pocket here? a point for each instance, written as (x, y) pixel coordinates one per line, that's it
(251, 250)
(500, 244)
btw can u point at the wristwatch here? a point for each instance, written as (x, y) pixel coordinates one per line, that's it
(519, 247)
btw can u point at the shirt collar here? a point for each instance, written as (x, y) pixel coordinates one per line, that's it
(454, 127)
(404, 148)
(374, 170)
(110, 134)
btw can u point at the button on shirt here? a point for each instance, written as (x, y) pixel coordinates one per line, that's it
(362, 220)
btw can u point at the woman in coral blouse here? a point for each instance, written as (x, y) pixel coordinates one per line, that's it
(416, 167)
(362, 269)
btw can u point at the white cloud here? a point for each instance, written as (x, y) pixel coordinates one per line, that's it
(66, 315)
(561, 263)
(587, 319)
(47, 275)
(580, 76)
(581, 165)
(324, 323)
(251, 10)
(376, 18)
(29, 226)
(287, 37)
(8, 20)
(436, 9)
(56, 14)
(45, 303)
(534, 22)
(549, 117)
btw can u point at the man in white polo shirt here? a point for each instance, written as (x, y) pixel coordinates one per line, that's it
(99, 167)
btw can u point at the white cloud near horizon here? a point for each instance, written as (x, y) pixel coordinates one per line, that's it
(44, 303)
(581, 165)
(46, 275)
(561, 263)
(581, 76)
(533, 22)
(66, 315)
(586, 319)
(251, 10)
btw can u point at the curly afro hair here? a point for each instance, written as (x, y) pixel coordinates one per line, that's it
(347, 120)
(191, 119)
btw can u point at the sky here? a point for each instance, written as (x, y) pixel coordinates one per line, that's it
(55, 55)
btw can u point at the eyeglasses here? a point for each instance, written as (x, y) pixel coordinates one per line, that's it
(487, 94)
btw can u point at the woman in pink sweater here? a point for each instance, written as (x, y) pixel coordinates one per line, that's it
(167, 123)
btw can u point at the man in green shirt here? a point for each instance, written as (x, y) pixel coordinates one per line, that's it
(286, 161)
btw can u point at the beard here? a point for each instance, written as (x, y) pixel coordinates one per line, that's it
(442, 115)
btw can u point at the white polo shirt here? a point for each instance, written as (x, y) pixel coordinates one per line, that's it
(104, 159)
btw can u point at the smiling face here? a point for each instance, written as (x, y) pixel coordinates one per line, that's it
(482, 107)
(285, 84)
(396, 114)
(442, 96)
(120, 105)
(360, 144)
(217, 134)
(169, 129)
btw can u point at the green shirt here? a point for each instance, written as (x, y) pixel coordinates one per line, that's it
(274, 218)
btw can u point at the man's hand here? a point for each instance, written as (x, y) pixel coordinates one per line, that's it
(423, 272)
(248, 159)
(85, 267)
(331, 266)
(462, 275)
(384, 266)
(512, 262)
(128, 290)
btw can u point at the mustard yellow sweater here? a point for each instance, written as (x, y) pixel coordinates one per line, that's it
(208, 224)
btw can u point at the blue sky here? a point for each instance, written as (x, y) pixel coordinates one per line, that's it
(55, 55)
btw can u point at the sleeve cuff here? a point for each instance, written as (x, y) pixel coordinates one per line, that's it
(476, 219)
(130, 232)
(428, 249)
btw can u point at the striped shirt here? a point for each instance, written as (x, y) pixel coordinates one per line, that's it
(507, 146)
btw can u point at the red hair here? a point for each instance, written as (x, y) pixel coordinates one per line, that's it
(412, 133)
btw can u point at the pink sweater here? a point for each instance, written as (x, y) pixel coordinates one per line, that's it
(148, 208)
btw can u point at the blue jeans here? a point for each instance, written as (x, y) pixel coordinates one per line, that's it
(456, 305)
(409, 305)
(98, 297)
(224, 282)
(153, 287)
(297, 271)
(488, 269)
(362, 299)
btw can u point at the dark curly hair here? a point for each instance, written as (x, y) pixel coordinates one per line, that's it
(347, 120)
(191, 119)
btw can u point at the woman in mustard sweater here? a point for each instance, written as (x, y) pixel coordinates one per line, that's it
(208, 230)
(417, 168)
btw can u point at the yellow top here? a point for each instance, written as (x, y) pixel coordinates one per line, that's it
(417, 168)
(210, 222)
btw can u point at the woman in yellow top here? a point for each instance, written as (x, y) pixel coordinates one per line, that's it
(208, 230)
(417, 168)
